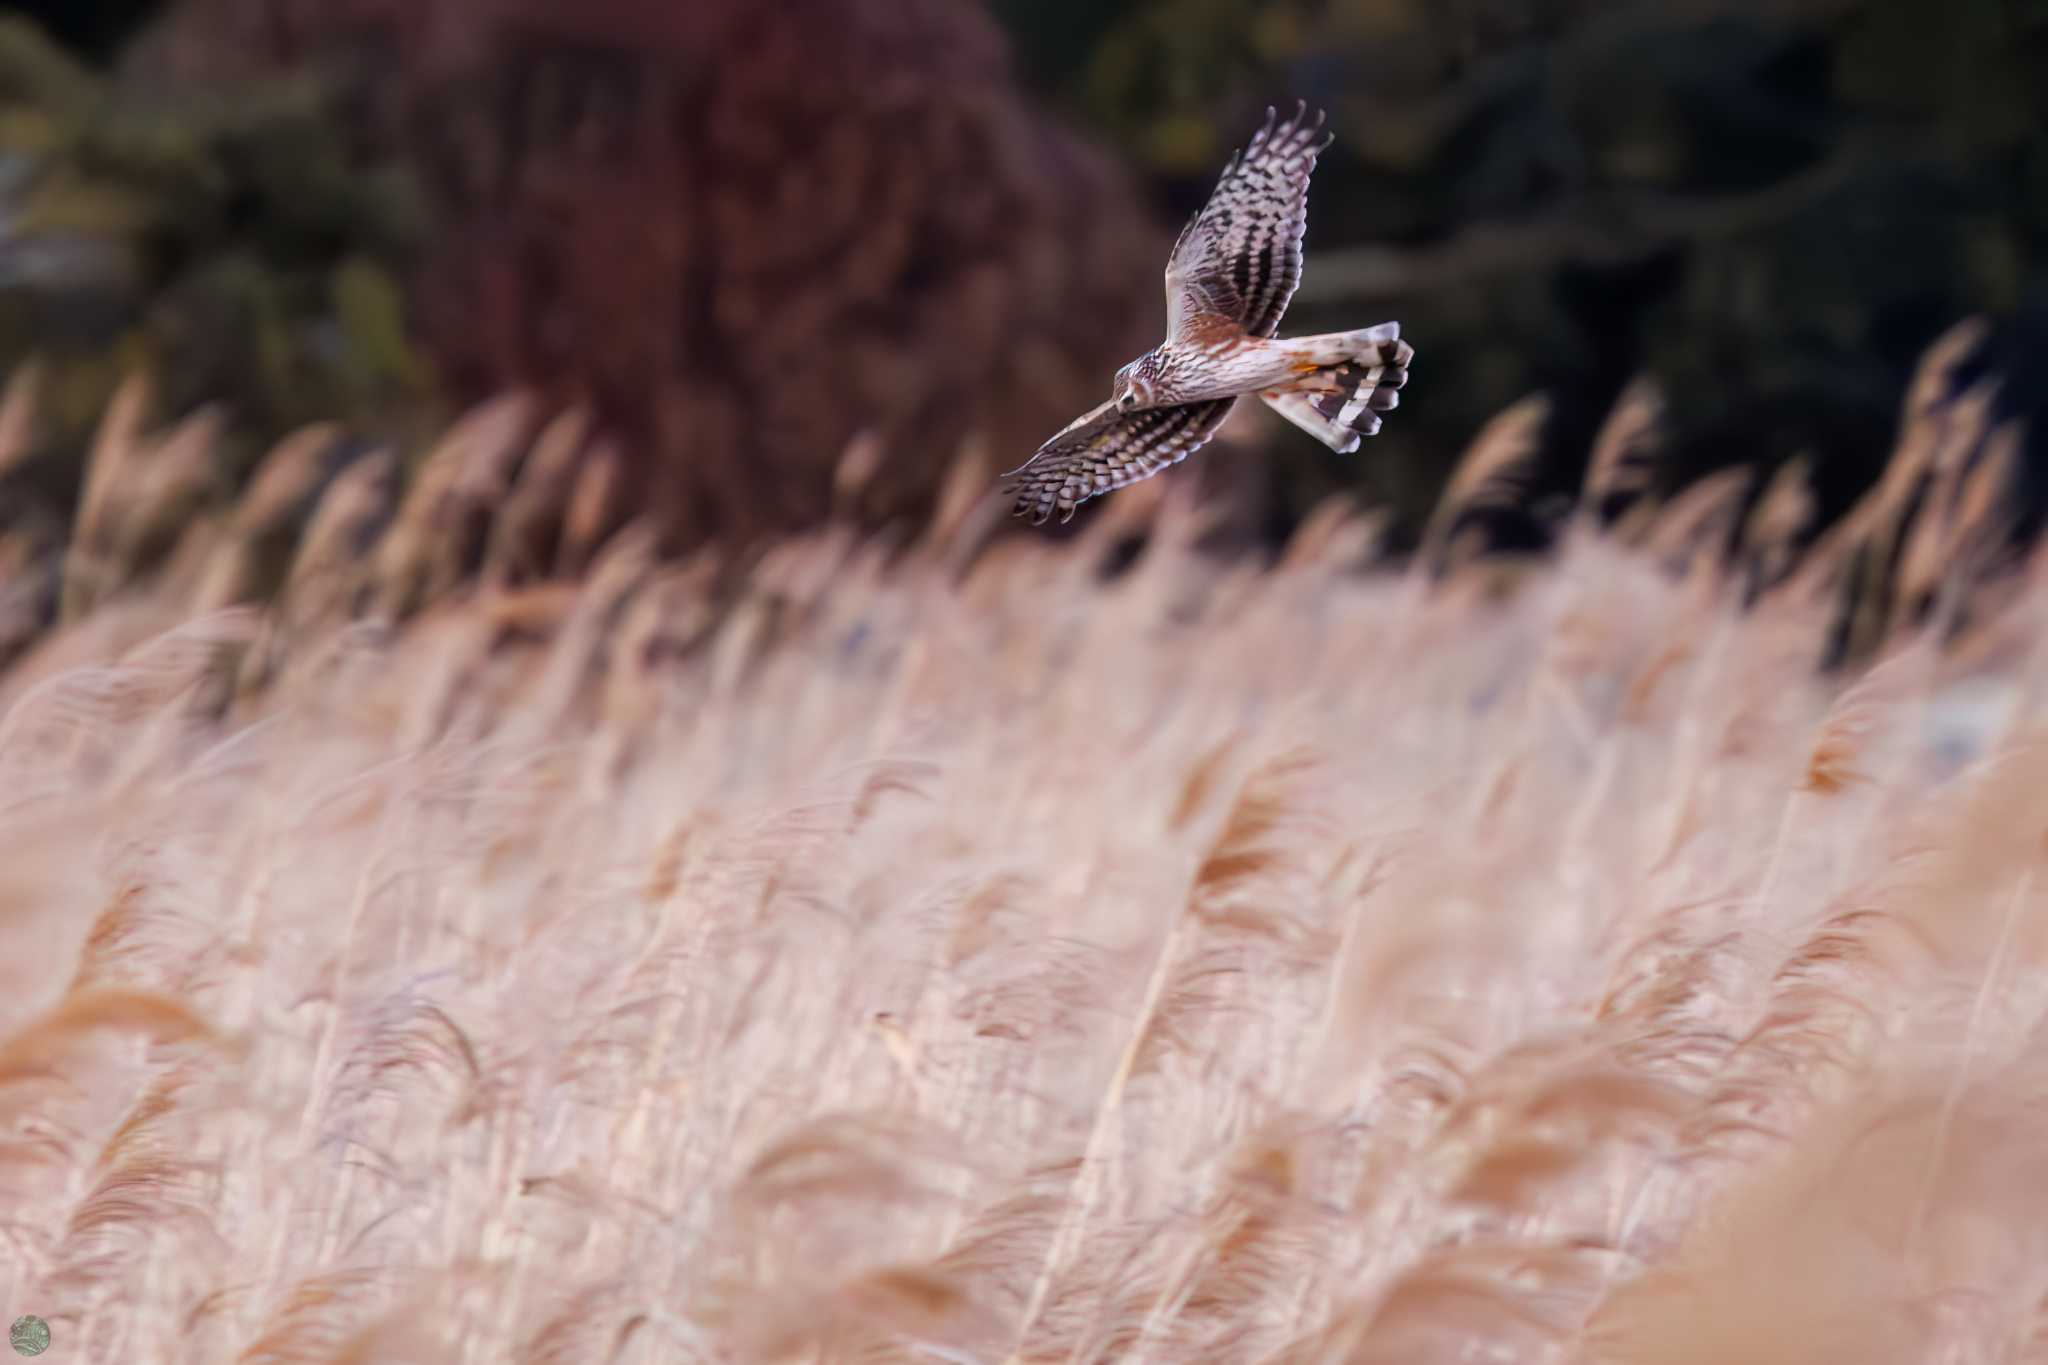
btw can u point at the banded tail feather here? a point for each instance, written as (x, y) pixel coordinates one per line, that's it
(1361, 391)
(1342, 403)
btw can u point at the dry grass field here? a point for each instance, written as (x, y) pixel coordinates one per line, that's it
(954, 952)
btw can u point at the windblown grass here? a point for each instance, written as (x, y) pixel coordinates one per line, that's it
(952, 953)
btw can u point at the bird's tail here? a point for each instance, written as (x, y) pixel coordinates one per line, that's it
(1300, 408)
(1355, 393)
(1341, 402)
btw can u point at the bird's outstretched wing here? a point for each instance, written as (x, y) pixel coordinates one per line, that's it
(1107, 449)
(1238, 261)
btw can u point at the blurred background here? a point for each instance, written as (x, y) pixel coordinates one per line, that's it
(748, 234)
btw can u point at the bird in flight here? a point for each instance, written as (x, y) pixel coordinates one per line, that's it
(1236, 265)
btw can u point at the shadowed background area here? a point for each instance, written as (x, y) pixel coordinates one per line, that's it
(749, 234)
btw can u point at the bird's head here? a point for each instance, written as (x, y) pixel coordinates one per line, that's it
(1133, 387)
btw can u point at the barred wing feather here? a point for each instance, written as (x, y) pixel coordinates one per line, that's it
(1239, 259)
(1107, 449)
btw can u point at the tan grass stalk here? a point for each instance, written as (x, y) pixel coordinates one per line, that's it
(19, 404)
(1494, 473)
(863, 955)
(1625, 459)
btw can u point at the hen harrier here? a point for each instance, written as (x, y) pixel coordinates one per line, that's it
(1228, 281)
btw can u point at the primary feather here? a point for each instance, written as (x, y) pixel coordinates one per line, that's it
(1240, 258)
(1107, 449)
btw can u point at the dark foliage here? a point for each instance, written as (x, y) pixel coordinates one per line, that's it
(1768, 206)
(749, 233)
(746, 234)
